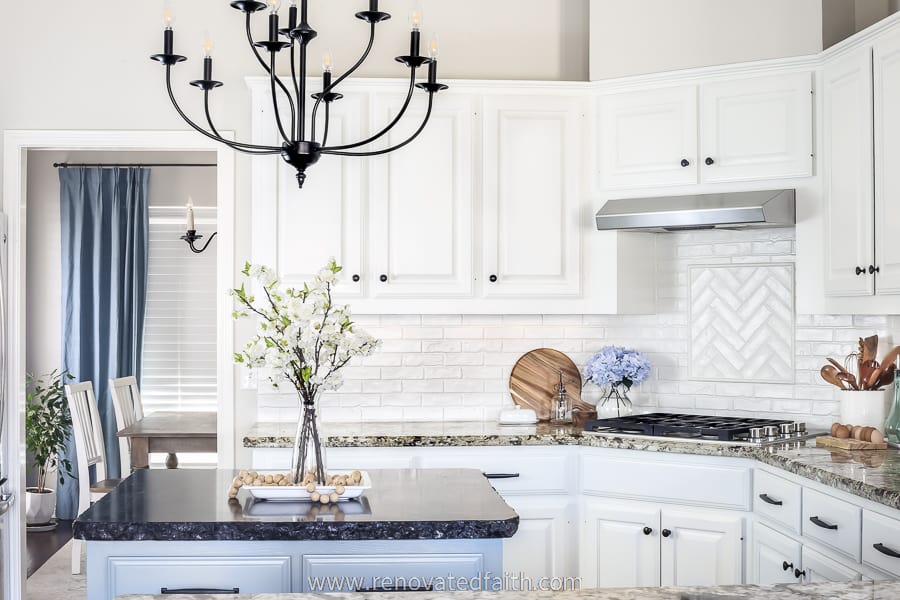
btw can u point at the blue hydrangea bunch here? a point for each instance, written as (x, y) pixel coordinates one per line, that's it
(614, 365)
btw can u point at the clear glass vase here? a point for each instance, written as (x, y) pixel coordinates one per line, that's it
(308, 456)
(615, 404)
(892, 425)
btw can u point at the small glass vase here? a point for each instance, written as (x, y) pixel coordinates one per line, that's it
(308, 456)
(615, 404)
(892, 425)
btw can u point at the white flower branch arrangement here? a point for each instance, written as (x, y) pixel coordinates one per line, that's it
(305, 339)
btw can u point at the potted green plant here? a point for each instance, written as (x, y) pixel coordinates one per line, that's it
(48, 425)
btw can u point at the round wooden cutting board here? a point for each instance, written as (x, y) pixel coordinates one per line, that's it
(535, 376)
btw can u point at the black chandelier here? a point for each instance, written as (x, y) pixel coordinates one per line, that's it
(299, 149)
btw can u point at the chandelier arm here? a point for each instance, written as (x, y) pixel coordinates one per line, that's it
(297, 91)
(218, 138)
(412, 87)
(240, 146)
(327, 121)
(337, 81)
(269, 72)
(273, 78)
(392, 148)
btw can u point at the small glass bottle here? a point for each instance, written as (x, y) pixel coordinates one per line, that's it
(892, 425)
(562, 404)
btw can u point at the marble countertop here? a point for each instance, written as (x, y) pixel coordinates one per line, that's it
(812, 591)
(164, 504)
(874, 475)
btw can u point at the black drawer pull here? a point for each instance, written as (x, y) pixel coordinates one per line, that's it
(501, 475)
(823, 524)
(886, 551)
(768, 500)
(200, 591)
(400, 588)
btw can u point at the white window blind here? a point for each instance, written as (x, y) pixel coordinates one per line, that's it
(179, 354)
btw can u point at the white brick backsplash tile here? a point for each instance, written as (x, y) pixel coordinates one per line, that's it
(382, 359)
(482, 346)
(358, 400)
(510, 332)
(472, 359)
(464, 413)
(695, 251)
(463, 385)
(569, 346)
(501, 359)
(463, 333)
(423, 414)
(402, 373)
(869, 321)
(353, 372)
(752, 404)
(401, 346)
(815, 335)
(825, 391)
(571, 320)
(833, 320)
(401, 400)
(588, 333)
(713, 403)
(423, 386)
(773, 391)
(382, 387)
(522, 320)
(442, 400)
(385, 333)
(394, 320)
(422, 360)
(443, 372)
(381, 414)
(482, 372)
(734, 389)
(446, 346)
(542, 331)
(773, 247)
(442, 320)
(484, 320)
(483, 399)
(423, 333)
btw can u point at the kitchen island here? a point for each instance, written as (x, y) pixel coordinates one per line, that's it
(161, 531)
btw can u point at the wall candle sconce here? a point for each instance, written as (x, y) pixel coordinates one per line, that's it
(191, 235)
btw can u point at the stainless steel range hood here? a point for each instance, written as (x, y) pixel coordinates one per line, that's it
(736, 210)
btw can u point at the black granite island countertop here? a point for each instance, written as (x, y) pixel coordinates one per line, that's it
(193, 505)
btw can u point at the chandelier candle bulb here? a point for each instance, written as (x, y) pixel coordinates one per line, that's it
(433, 54)
(373, 5)
(190, 214)
(292, 15)
(273, 27)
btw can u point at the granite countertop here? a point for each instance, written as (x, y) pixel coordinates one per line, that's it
(874, 475)
(170, 504)
(884, 590)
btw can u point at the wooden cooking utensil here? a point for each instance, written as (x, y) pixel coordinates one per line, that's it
(875, 379)
(849, 378)
(533, 381)
(838, 366)
(866, 369)
(868, 349)
(831, 375)
(886, 379)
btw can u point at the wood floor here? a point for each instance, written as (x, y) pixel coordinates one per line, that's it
(41, 546)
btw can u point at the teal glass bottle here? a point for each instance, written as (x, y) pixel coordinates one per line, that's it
(892, 426)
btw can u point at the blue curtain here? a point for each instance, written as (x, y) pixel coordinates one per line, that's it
(105, 238)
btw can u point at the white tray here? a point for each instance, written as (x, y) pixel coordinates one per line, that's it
(294, 493)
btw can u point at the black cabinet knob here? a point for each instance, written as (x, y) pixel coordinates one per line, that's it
(873, 269)
(685, 162)
(709, 161)
(798, 573)
(355, 278)
(492, 279)
(787, 566)
(860, 271)
(382, 278)
(666, 532)
(648, 530)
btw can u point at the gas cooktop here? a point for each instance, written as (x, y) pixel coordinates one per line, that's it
(730, 430)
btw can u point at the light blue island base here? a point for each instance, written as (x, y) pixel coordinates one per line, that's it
(151, 567)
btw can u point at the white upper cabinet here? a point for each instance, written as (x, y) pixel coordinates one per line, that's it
(422, 200)
(847, 175)
(887, 159)
(532, 198)
(756, 128)
(648, 138)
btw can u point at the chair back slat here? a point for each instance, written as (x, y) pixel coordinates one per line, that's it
(126, 398)
(88, 434)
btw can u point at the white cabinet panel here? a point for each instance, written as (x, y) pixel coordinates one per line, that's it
(701, 548)
(421, 216)
(386, 573)
(847, 175)
(833, 522)
(542, 546)
(619, 544)
(648, 138)
(887, 157)
(757, 128)
(777, 499)
(775, 557)
(818, 568)
(881, 542)
(533, 218)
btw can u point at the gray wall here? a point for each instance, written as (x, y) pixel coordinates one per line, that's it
(648, 36)
(843, 18)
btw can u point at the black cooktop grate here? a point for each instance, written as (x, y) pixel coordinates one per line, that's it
(675, 425)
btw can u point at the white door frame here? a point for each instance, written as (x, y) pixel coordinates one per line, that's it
(15, 154)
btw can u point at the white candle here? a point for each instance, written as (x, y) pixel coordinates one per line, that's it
(190, 214)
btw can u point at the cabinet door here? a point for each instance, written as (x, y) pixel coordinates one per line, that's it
(847, 175)
(533, 217)
(616, 549)
(757, 128)
(887, 157)
(421, 209)
(648, 138)
(775, 557)
(544, 543)
(297, 230)
(701, 548)
(821, 569)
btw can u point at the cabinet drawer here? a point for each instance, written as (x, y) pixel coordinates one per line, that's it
(700, 483)
(822, 569)
(528, 472)
(777, 499)
(883, 532)
(398, 572)
(247, 574)
(833, 522)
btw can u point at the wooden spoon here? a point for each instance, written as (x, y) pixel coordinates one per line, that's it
(832, 376)
(868, 349)
(886, 379)
(887, 366)
(849, 379)
(839, 366)
(867, 368)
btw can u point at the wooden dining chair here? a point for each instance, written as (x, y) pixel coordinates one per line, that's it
(88, 435)
(126, 399)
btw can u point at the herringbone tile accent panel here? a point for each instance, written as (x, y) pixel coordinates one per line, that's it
(742, 323)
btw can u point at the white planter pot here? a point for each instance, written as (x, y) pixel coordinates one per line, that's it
(869, 408)
(39, 508)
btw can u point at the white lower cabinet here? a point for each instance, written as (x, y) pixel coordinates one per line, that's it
(774, 557)
(818, 568)
(639, 545)
(542, 545)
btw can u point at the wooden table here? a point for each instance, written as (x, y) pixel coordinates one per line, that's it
(170, 432)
